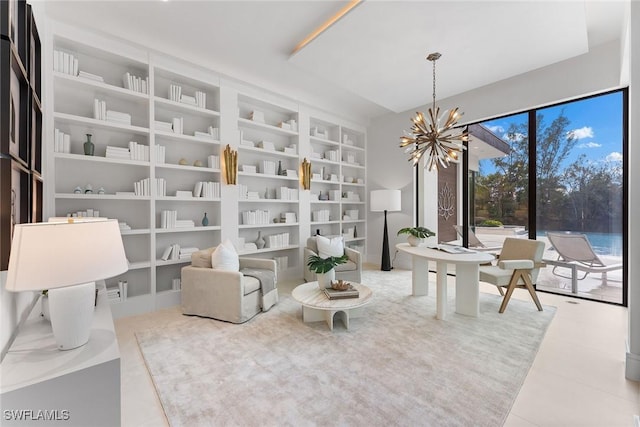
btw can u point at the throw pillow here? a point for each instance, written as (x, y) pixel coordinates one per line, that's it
(330, 247)
(225, 257)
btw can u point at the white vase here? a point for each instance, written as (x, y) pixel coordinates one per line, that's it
(414, 241)
(325, 279)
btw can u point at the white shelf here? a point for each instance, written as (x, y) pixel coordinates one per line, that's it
(186, 168)
(99, 124)
(265, 127)
(354, 239)
(100, 159)
(323, 161)
(264, 175)
(187, 138)
(185, 199)
(68, 82)
(353, 221)
(179, 106)
(271, 225)
(135, 232)
(100, 197)
(351, 165)
(226, 108)
(323, 141)
(187, 229)
(271, 153)
(139, 265)
(265, 250)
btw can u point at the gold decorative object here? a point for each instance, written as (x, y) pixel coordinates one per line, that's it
(340, 285)
(305, 174)
(230, 165)
(438, 141)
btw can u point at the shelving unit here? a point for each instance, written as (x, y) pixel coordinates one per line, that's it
(186, 116)
(21, 181)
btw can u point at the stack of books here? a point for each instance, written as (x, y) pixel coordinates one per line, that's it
(117, 153)
(171, 252)
(187, 99)
(163, 126)
(213, 162)
(268, 167)
(176, 284)
(113, 294)
(331, 155)
(185, 253)
(323, 215)
(207, 189)
(178, 125)
(160, 154)
(175, 92)
(118, 117)
(201, 99)
(278, 240)
(267, 145)
(124, 226)
(62, 142)
(64, 62)
(134, 83)
(139, 151)
(89, 76)
(351, 292)
(256, 217)
(286, 193)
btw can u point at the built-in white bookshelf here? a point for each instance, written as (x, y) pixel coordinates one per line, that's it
(181, 117)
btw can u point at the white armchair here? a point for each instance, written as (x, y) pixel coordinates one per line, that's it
(223, 295)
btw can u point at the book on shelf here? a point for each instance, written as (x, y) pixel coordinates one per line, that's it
(61, 142)
(135, 83)
(351, 292)
(65, 62)
(89, 76)
(178, 125)
(167, 253)
(175, 92)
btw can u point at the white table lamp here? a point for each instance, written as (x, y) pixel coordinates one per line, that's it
(66, 258)
(386, 201)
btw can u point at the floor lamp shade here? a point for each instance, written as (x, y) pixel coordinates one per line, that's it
(71, 256)
(385, 201)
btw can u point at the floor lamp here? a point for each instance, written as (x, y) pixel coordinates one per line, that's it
(66, 259)
(385, 201)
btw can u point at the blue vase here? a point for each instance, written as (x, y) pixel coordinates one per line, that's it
(205, 220)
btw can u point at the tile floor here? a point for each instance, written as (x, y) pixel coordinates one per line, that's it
(577, 378)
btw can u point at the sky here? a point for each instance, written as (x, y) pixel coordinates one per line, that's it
(595, 122)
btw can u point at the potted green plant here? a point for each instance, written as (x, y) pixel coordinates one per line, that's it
(324, 268)
(416, 234)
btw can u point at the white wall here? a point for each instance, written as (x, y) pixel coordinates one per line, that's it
(596, 71)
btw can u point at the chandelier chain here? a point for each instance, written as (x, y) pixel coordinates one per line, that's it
(434, 84)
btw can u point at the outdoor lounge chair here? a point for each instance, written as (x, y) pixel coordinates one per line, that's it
(474, 242)
(576, 253)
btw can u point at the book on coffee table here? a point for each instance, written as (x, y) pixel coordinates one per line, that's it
(347, 293)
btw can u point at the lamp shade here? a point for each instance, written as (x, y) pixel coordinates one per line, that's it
(52, 255)
(386, 200)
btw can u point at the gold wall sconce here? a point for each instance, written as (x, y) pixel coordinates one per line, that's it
(230, 165)
(305, 174)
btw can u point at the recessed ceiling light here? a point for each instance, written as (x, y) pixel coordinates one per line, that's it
(325, 25)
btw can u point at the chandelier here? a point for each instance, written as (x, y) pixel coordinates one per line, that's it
(437, 139)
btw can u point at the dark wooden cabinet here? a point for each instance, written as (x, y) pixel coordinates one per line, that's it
(20, 121)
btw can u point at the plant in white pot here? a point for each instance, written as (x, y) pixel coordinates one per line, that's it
(416, 234)
(324, 268)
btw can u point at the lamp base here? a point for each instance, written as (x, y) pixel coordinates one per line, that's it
(71, 311)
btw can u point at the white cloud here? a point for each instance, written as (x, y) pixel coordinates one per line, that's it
(589, 145)
(614, 157)
(583, 132)
(497, 129)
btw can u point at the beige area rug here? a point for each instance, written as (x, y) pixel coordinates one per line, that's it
(398, 365)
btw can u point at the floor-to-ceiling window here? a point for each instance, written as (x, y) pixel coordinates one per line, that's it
(574, 201)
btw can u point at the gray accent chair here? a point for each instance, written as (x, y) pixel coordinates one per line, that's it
(350, 271)
(220, 294)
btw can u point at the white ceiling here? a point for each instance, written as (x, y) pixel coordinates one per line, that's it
(373, 60)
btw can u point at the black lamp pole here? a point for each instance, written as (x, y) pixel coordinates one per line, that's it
(386, 259)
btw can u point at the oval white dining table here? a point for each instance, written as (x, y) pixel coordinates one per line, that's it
(467, 277)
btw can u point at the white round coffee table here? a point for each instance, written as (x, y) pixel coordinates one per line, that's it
(317, 307)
